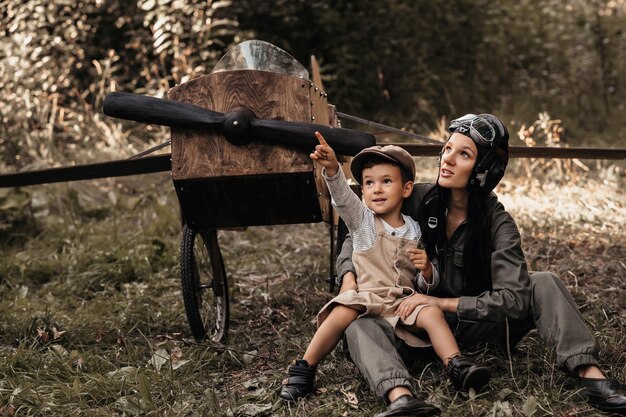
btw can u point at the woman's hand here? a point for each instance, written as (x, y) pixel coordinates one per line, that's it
(325, 156)
(348, 282)
(420, 260)
(406, 307)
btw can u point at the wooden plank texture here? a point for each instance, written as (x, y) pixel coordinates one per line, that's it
(206, 154)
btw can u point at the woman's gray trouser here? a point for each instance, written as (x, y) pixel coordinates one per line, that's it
(381, 355)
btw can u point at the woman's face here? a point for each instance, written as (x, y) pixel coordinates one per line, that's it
(457, 161)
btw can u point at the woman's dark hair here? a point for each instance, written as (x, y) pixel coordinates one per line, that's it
(477, 249)
(488, 170)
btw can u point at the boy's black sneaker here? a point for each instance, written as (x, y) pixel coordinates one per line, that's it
(300, 381)
(465, 374)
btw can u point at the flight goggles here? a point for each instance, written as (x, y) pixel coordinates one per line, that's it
(479, 129)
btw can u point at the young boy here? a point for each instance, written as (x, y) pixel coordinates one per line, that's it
(388, 262)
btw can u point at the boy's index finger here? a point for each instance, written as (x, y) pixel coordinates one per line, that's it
(321, 139)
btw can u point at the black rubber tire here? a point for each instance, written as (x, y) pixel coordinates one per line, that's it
(204, 284)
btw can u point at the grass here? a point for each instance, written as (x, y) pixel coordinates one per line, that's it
(93, 321)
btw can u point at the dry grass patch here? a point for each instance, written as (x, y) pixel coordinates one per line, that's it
(93, 320)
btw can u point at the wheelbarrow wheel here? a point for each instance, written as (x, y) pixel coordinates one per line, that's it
(204, 283)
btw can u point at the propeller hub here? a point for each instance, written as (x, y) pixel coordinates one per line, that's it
(237, 126)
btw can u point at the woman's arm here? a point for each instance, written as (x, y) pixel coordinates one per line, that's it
(344, 263)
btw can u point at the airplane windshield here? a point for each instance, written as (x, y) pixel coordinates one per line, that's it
(261, 56)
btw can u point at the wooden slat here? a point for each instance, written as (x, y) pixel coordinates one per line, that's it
(320, 115)
(315, 70)
(531, 152)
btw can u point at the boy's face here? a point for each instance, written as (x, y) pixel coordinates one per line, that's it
(384, 189)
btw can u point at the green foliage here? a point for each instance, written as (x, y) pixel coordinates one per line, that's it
(411, 63)
(59, 59)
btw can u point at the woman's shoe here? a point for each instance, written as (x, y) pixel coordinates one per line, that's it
(300, 381)
(603, 394)
(408, 406)
(465, 374)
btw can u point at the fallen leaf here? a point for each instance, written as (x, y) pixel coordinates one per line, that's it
(501, 409)
(43, 335)
(60, 350)
(159, 359)
(23, 291)
(350, 398)
(131, 404)
(175, 354)
(56, 334)
(124, 371)
(8, 410)
(249, 357)
(100, 334)
(504, 393)
(530, 406)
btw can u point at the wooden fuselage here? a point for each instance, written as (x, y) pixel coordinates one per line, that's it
(221, 185)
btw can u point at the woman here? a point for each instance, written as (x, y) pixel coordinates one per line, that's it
(485, 289)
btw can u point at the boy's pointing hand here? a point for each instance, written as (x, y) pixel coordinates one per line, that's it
(325, 156)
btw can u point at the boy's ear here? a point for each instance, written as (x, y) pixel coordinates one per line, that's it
(408, 189)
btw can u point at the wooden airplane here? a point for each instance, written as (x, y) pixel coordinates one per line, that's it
(240, 143)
